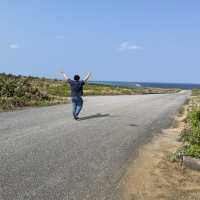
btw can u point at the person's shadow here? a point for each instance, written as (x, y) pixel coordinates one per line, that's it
(98, 115)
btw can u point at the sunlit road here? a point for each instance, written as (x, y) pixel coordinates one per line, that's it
(46, 155)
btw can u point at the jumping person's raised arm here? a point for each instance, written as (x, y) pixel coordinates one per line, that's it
(87, 77)
(65, 76)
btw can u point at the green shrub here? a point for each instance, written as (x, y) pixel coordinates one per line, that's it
(9, 103)
(19, 92)
(194, 117)
(192, 150)
(191, 134)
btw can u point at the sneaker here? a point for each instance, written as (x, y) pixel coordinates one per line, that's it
(76, 118)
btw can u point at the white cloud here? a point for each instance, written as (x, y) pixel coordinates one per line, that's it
(14, 46)
(125, 46)
(60, 37)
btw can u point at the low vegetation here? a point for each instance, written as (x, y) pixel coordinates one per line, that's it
(20, 91)
(196, 93)
(191, 134)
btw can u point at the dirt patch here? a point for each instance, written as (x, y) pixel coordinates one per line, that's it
(153, 177)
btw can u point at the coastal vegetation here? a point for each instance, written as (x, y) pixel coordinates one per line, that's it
(191, 134)
(21, 91)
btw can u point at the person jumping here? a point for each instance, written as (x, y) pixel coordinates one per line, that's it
(76, 86)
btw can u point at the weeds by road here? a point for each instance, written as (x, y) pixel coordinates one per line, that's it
(190, 135)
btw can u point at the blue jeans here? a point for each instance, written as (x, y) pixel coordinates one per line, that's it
(77, 103)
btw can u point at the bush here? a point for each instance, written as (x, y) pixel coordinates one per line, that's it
(194, 117)
(191, 134)
(192, 150)
(18, 92)
(12, 102)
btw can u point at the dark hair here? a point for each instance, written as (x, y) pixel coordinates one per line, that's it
(76, 77)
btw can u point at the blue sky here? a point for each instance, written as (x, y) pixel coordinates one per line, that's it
(123, 40)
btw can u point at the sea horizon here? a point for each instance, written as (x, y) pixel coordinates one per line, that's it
(149, 84)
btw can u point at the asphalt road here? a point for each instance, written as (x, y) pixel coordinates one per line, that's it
(46, 155)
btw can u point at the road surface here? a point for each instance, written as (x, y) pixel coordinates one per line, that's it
(46, 155)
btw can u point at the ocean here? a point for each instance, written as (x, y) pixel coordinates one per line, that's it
(149, 84)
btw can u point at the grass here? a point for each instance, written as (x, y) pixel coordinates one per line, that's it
(190, 136)
(196, 92)
(21, 91)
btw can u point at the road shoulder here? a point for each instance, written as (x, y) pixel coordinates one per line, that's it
(152, 176)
